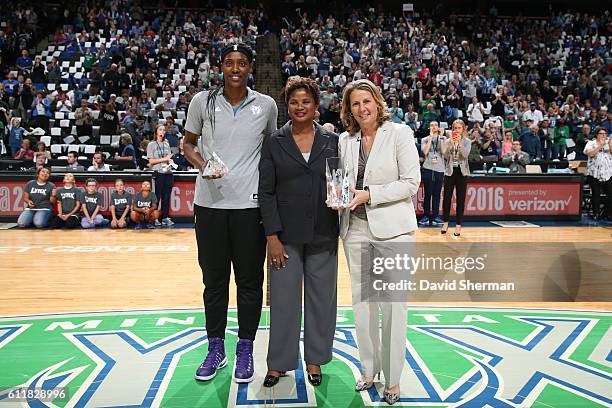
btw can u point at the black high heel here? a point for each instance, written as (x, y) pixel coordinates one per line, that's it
(315, 379)
(272, 380)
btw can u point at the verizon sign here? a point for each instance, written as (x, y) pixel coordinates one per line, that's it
(510, 198)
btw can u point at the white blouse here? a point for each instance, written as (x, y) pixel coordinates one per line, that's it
(600, 165)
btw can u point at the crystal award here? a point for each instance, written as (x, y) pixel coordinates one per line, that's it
(337, 183)
(215, 167)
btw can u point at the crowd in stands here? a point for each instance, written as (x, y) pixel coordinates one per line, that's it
(19, 29)
(111, 76)
(545, 82)
(115, 72)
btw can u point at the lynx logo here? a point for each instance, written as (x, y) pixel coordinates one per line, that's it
(256, 109)
(455, 357)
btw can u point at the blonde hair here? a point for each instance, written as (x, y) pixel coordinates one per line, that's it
(462, 123)
(348, 120)
(126, 137)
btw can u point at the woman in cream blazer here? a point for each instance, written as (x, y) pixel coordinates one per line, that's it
(382, 162)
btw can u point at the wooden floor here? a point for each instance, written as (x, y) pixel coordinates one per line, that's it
(64, 271)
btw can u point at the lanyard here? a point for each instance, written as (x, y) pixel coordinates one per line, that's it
(435, 145)
(160, 150)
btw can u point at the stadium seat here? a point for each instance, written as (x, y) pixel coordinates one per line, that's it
(46, 140)
(89, 149)
(69, 139)
(56, 149)
(55, 131)
(84, 139)
(105, 139)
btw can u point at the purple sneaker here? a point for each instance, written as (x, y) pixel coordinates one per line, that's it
(244, 370)
(214, 361)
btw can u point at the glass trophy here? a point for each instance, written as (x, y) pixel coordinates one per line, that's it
(337, 183)
(215, 167)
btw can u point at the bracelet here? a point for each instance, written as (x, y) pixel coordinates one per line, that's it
(369, 202)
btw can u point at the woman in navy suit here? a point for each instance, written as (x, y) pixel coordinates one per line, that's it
(302, 235)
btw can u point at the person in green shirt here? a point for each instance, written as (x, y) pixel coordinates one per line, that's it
(561, 133)
(429, 115)
(492, 70)
(89, 59)
(511, 125)
(427, 101)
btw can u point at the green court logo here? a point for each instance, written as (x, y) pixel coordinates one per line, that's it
(455, 357)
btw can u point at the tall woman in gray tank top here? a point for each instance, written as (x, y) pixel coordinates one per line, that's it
(231, 121)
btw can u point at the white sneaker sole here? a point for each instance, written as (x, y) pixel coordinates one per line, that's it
(210, 377)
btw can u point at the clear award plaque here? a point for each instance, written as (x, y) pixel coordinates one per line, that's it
(215, 167)
(337, 183)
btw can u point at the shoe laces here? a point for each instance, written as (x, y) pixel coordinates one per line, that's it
(215, 351)
(244, 352)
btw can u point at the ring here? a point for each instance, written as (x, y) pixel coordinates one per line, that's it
(274, 259)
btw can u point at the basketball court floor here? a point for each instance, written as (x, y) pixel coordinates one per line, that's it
(114, 318)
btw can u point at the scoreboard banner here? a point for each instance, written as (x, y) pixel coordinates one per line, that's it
(488, 197)
(485, 198)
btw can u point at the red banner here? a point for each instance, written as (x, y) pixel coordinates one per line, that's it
(482, 198)
(510, 198)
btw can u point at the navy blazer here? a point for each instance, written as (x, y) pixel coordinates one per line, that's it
(292, 192)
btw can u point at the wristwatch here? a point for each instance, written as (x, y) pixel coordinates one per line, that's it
(369, 202)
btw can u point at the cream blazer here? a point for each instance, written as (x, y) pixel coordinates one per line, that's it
(392, 175)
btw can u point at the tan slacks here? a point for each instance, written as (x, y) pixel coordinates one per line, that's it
(376, 352)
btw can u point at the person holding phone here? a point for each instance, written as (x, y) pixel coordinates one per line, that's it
(456, 151)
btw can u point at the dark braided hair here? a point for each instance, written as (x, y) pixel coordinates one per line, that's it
(210, 106)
